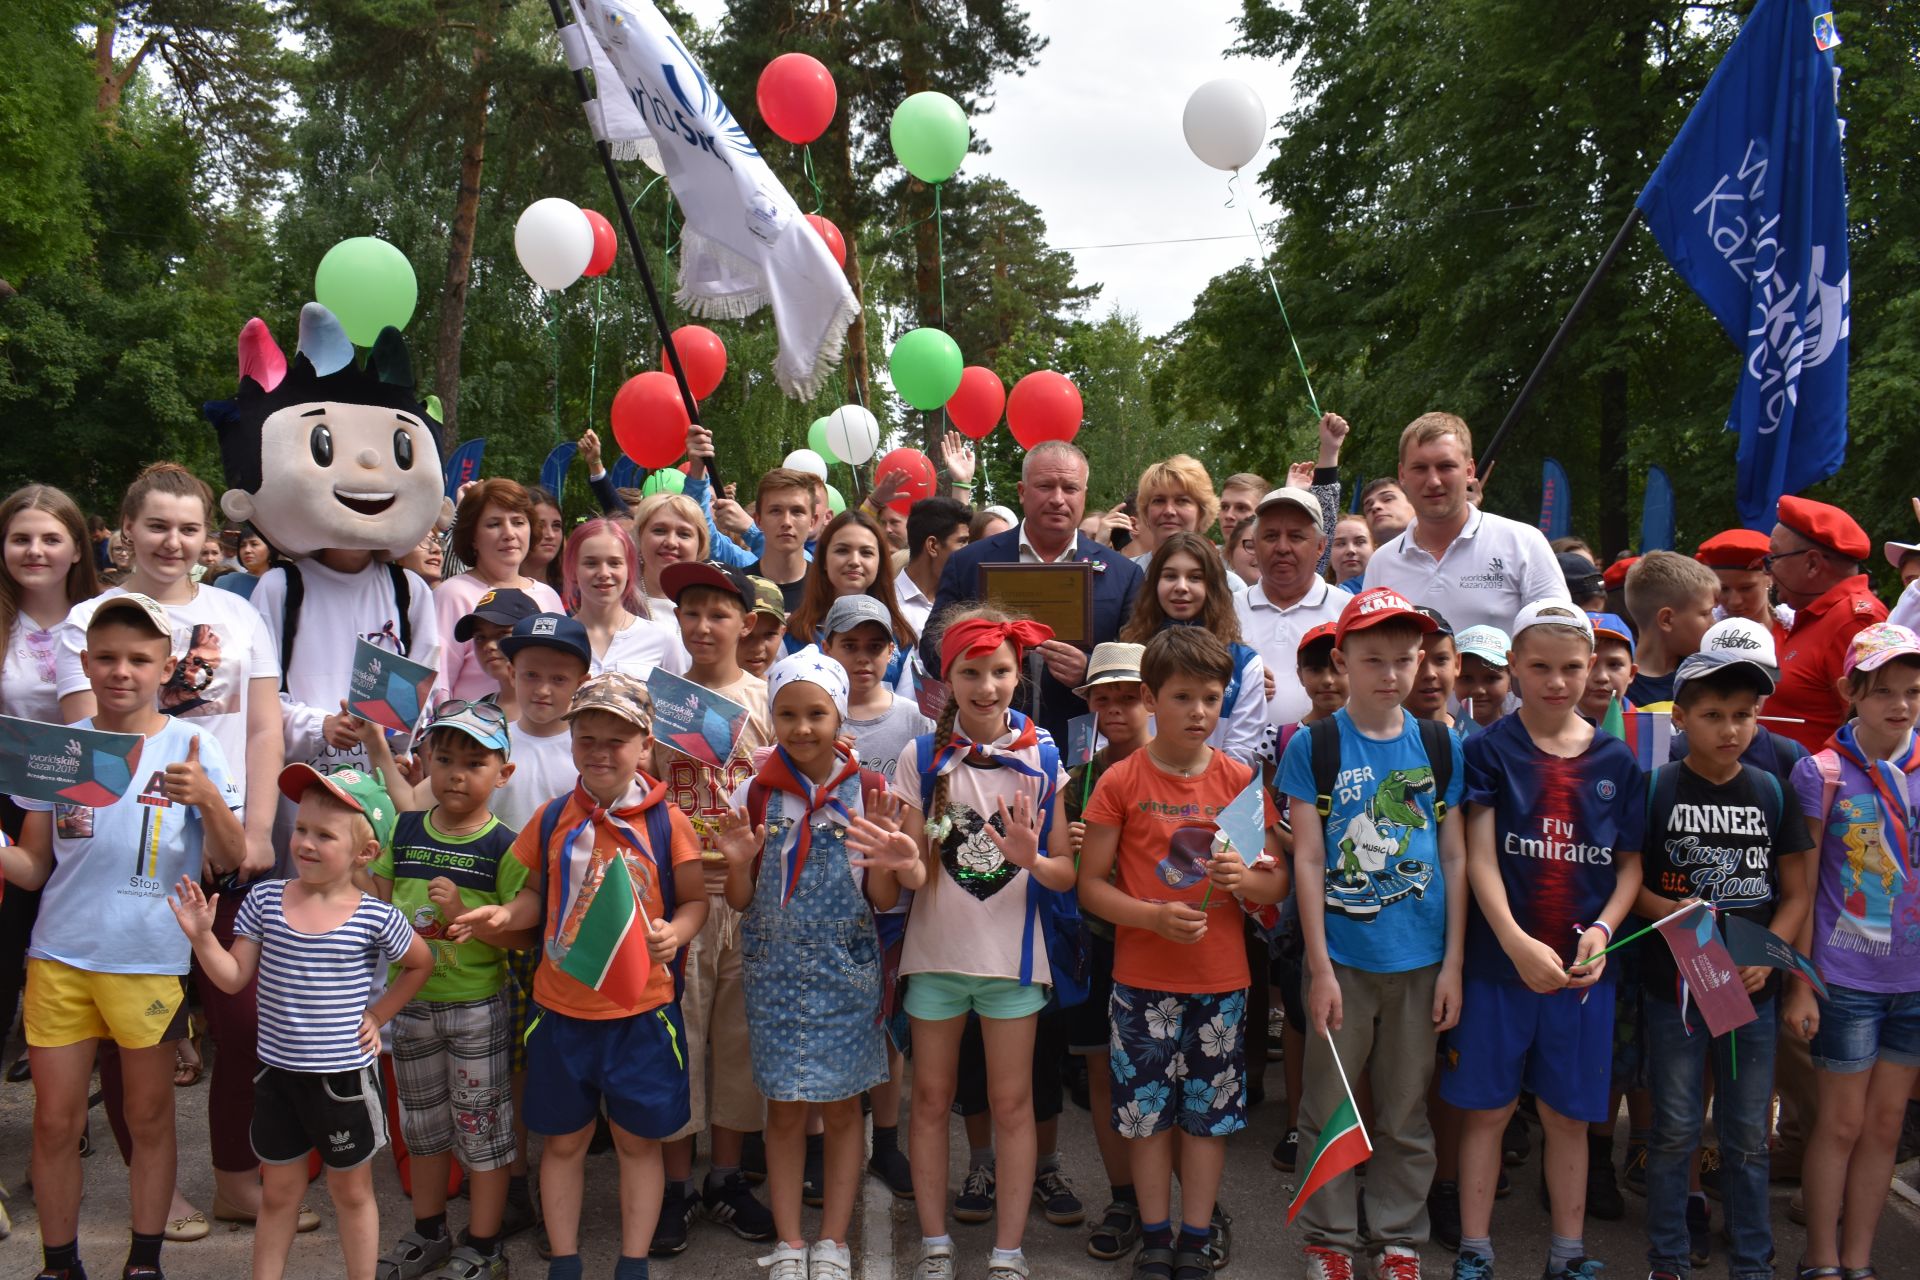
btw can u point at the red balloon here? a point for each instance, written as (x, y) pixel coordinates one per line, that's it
(836, 243)
(975, 407)
(606, 247)
(1044, 406)
(702, 355)
(650, 420)
(919, 471)
(797, 97)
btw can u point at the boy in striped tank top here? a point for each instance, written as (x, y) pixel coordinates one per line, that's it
(314, 941)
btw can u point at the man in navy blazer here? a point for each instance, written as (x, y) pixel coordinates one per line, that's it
(1053, 496)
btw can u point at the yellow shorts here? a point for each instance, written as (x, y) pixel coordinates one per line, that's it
(65, 1005)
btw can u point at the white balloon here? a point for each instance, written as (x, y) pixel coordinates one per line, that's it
(1225, 123)
(853, 433)
(554, 242)
(808, 461)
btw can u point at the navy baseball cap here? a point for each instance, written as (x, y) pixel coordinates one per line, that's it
(549, 631)
(503, 606)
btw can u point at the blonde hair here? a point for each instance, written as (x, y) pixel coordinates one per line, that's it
(1246, 480)
(1665, 580)
(1429, 427)
(1182, 473)
(680, 505)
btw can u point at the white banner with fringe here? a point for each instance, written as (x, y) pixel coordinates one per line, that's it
(745, 244)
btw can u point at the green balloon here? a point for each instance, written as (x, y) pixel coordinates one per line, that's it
(817, 440)
(930, 133)
(835, 503)
(665, 480)
(368, 285)
(926, 367)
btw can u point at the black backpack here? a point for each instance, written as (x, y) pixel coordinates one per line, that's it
(297, 592)
(1323, 744)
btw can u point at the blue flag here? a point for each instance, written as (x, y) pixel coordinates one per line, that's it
(464, 464)
(1556, 515)
(625, 474)
(553, 472)
(1750, 207)
(1656, 512)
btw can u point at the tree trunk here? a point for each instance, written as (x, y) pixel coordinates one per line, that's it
(466, 212)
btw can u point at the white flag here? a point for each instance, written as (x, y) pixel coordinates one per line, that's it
(745, 243)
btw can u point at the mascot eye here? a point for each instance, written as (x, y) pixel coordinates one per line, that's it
(403, 449)
(321, 442)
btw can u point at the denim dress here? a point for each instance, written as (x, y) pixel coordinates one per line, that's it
(812, 968)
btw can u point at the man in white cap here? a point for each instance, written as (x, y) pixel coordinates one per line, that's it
(1474, 567)
(1290, 598)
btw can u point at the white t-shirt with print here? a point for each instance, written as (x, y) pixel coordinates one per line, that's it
(27, 676)
(104, 908)
(971, 920)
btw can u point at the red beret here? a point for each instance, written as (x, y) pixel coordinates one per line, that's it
(1614, 576)
(1734, 549)
(1826, 526)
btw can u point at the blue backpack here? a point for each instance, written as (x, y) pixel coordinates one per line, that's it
(1053, 915)
(659, 848)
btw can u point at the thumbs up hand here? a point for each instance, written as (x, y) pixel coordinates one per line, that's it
(187, 783)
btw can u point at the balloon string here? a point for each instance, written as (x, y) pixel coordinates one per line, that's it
(553, 331)
(806, 163)
(1261, 244)
(940, 252)
(593, 368)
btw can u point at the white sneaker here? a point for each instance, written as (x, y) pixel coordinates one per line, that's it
(1396, 1262)
(1328, 1264)
(1014, 1268)
(829, 1261)
(936, 1263)
(786, 1263)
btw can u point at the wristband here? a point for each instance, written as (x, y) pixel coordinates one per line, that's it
(1604, 928)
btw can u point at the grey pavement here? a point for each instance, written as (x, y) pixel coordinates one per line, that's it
(885, 1233)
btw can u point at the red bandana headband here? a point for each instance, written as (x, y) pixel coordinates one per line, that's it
(977, 637)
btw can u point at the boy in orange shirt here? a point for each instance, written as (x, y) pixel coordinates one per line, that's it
(609, 1027)
(1180, 978)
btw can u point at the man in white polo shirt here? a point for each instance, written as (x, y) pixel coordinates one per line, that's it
(1289, 598)
(1477, 569)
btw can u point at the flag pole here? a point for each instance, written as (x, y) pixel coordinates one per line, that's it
(1338, 1066)
(1552, 352)
(1641, 933)
(573, 45)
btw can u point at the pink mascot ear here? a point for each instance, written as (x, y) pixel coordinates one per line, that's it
(260, 356)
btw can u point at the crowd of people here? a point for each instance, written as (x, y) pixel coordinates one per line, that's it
(532, 916)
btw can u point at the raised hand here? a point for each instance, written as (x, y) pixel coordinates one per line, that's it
(737, 839)
(1333, 433)
(589, 447)
(886, 488)
(1300, 476)
(1020, 843)
(956, 455)
(882, 848)
(192, 909)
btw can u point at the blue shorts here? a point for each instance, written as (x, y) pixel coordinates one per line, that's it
(1859, 1028)
(638, 1065)
(1509, 1038)
(1178, 1058)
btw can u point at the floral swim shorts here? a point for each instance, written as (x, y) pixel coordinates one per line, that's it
(1178, 1058)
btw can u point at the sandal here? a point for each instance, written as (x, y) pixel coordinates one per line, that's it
(187, 1065)
(1860, 1273)
(1817, 1273)
(1192, 1264)
(1115, 1234)
(1153, 1264)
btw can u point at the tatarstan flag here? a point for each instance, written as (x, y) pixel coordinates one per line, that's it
(609, 952)
(1343, 1145)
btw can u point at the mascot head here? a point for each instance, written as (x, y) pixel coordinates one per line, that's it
(327, 454)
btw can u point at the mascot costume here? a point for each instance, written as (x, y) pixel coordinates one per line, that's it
(337, 466)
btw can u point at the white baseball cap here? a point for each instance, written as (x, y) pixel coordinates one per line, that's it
(1559, 613)
(1290, 497)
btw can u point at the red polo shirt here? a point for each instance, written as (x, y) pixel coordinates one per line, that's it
(1811, 657)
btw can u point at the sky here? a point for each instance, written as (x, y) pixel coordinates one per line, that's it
(1091, 136)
